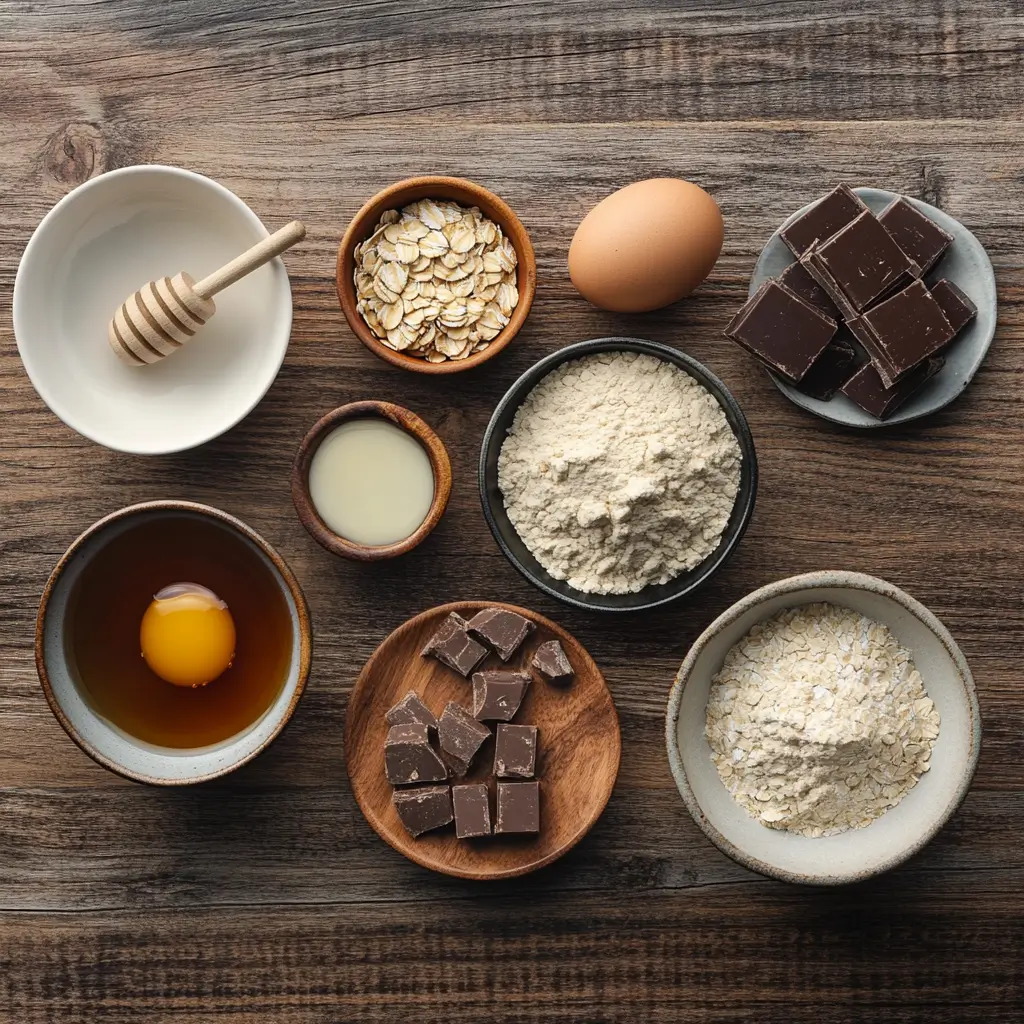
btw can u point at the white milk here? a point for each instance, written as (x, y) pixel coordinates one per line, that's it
(371, 482)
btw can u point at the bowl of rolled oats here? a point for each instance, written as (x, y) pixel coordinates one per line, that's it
(436, 274)
(824, 728)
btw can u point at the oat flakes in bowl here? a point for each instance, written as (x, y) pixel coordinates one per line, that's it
(930, 692)
(436, 274)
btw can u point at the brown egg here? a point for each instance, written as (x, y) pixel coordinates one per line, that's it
(649, 244)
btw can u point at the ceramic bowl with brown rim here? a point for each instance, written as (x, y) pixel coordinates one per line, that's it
(119, 718)
(902, 830)
(465, 193)
(314, 520)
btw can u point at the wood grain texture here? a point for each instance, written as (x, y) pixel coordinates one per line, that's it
(578, 746)
(265, 895)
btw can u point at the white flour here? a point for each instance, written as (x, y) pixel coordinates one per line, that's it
(819, 722)
(619, 471)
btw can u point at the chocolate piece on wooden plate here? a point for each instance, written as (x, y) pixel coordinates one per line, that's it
(551, 661)
(796, 278)
(515, 751)
(577, 725)
(915, 233)
(454, 647)
(860, 262)
(823, 219)
(497, 694)
(500, 628)
(868, 390)
(780, 329)
(903, 331)
(518, 808)
(832, 369)
(424, 808)
(409, 757)
(411, 710)
(955, 304)
(472, 805)
(460, 736)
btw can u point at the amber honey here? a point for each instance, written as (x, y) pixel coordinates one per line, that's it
(111, 597)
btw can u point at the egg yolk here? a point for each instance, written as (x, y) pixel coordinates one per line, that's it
(187, 635)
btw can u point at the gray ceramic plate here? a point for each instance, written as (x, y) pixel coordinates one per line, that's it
(966, 264)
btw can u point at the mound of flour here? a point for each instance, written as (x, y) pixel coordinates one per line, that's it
(619, 471)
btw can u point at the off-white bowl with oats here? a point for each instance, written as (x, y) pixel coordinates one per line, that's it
(899, 832)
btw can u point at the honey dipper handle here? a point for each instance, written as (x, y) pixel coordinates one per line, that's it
(250, 260)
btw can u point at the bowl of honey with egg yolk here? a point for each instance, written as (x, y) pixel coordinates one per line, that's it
(173, 642)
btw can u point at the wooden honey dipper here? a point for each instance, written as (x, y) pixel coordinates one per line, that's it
(163, 315)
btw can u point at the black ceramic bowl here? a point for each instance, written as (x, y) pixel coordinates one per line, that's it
(518, 553)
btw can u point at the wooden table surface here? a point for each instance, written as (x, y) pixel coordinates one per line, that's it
(266, 896)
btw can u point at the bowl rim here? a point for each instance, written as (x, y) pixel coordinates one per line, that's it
(832, 578)
(280, 337)
(745, 499)
(360, 227)
(416, 428)
(287, 577)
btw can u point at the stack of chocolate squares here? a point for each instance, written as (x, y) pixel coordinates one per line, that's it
(410, 757)
(853, 314)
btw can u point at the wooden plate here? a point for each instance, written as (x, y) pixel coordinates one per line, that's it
(577, 751)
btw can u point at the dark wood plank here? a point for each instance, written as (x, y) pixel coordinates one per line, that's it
(266, 895)
(679, 958)
(572, 61)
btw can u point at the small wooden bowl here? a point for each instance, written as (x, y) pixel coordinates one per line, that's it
(578, 746)
(466, 193)
(411, 424)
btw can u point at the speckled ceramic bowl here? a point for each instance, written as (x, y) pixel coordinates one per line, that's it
(897, 834)
(105, 742)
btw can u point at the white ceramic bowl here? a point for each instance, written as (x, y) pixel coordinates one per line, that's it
(900, 832)
(103, 241)
(103, 741)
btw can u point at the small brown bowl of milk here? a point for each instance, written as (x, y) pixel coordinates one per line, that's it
(370, 480)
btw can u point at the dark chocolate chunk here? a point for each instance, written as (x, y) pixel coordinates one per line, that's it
(461, 736)
(957, 308)
(868, 390)
(411, 710)
(472, 811)
(409, 757)
(781, 330)
(833, 368)
(862, 261)
(423, 808)
(497, 694)
(551, 661)
(454, 647)
(823, 219)
(518, 808)
(834, 292)
(501, 629)
(796, 278)
(903, 331)
(915, 233)
(515, 751)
